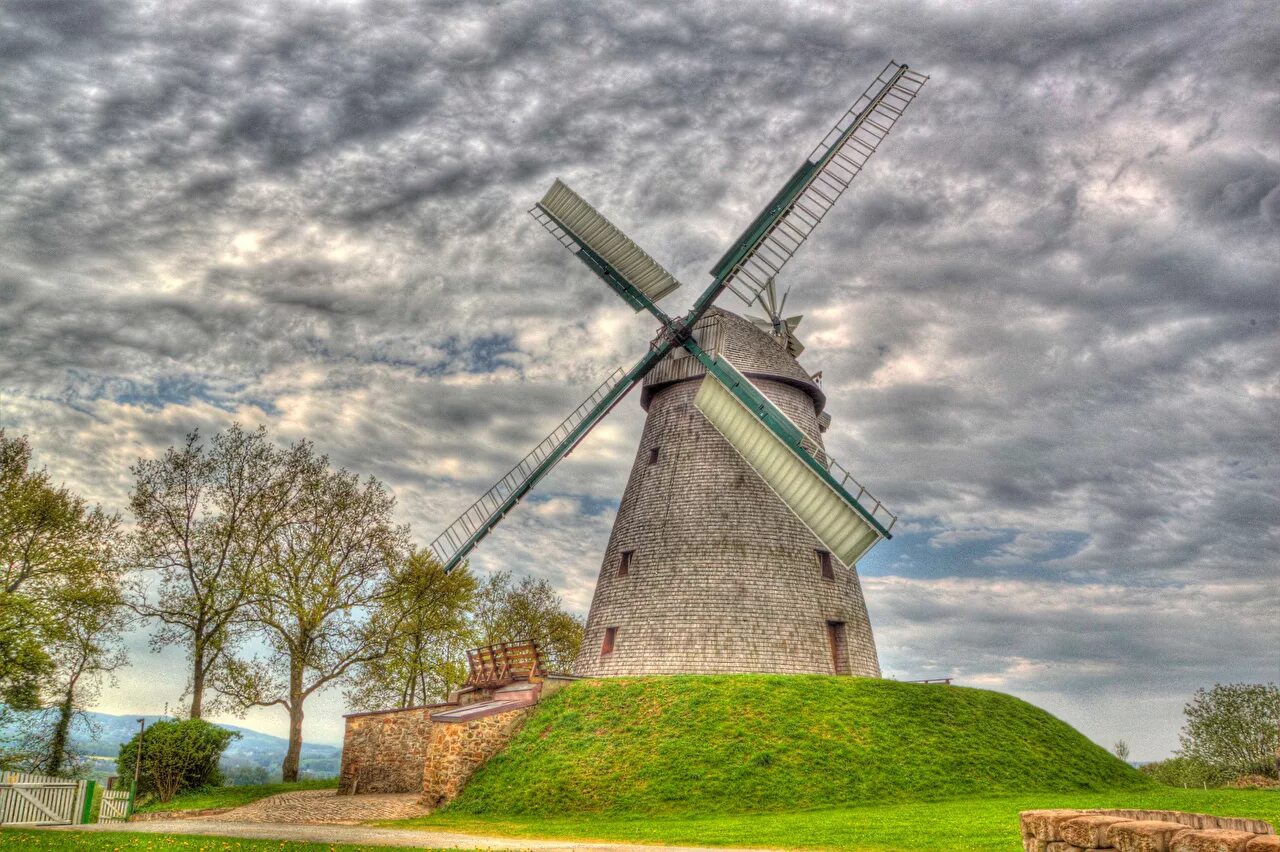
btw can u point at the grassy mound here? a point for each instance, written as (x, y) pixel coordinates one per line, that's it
(737, 743)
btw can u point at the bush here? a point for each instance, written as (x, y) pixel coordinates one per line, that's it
(176, 757)
(1182, 771)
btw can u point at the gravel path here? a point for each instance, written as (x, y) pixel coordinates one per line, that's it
(363, 835)
(321, 807)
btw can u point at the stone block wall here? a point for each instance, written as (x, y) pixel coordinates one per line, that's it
(1143, 831)
(383, 752)
(458, 749)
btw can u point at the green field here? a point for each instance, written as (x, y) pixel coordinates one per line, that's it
(231, 797)
(717, 745)
(793, 762)
(952, 825)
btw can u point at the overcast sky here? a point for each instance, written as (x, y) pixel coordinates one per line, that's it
(1046, 314)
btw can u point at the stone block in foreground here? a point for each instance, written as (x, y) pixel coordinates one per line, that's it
(1126, 830)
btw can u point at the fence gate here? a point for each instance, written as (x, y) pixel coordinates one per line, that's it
(40, 800)
(114, 806)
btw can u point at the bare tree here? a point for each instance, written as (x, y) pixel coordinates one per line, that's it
(203, 517)
(312, 601)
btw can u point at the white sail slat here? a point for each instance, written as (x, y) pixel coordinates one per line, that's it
(828, 514)
(585, 224)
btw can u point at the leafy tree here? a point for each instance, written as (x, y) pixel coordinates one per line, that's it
(1233, 728)
(424, 616)
(88, 649)
(203, 517)
(60, 613)
(1121, 750)
(47, 533)
(322, 572)
(507, 611)
(177, 756)
(24, 662)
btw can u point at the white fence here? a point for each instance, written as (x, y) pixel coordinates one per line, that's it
(114, 806)
(41, 800)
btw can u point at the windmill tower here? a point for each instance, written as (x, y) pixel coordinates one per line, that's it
(735, 544)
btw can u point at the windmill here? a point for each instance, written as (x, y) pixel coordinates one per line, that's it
(736, 539)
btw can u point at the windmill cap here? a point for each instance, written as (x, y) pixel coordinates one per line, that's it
(754, 352)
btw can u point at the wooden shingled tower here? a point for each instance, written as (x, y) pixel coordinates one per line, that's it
(736, 540)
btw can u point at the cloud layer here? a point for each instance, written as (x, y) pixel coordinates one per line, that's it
(1046, 314)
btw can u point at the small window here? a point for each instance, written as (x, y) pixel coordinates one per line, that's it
(610, 634)
(824, 562)
(839, 647)
(624, 564)
(653, 456)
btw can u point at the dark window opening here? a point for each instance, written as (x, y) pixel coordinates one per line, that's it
(839, 647)
(610, 633)
(624, 564)
(824, 562)
(653, 456)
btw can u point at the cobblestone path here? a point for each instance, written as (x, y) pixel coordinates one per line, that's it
(319, 807)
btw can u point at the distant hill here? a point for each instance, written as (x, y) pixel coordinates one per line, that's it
(743, 743)
(101, 735)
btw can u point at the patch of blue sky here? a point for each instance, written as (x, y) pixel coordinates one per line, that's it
(85, 388)
(931, 551)
(478, 355)
(589, 506)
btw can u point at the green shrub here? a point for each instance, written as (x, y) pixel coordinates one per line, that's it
(176, 757)
(1182, 771)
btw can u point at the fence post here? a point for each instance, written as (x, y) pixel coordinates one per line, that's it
(89, 787)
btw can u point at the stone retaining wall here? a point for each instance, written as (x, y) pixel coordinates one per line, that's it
(458, 749)
(384, 752)
(1143, 831)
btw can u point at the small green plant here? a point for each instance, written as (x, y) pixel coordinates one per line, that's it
(177, 756)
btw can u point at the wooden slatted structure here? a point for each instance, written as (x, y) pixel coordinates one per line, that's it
(503, 663)
(41, 800)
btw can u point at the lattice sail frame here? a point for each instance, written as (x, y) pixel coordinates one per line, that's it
(788, 220)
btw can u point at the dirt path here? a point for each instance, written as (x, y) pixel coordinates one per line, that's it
(364, 835)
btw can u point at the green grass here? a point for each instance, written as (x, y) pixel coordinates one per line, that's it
(717, 745)
(232, 797)
(113, 841)
(956, 824)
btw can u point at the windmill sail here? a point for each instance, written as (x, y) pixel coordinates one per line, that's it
(786, 222)
(452, 545)
(624, 266)
(816, 491)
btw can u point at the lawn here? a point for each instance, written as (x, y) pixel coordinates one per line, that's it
(955, 824)
(231, 797)
(725, 744)
(84, 841)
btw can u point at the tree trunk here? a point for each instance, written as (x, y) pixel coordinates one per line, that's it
(62, 731)
(197, 679)
(289, 770)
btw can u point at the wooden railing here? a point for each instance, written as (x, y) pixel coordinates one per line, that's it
(501, 664)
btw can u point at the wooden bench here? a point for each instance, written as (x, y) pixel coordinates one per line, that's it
(506, 662)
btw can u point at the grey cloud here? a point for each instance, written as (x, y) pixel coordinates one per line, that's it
(1048, 308)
